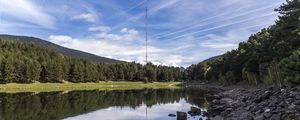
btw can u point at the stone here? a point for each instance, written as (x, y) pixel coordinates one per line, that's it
(244, 99)
(219, 108)
(292, 106)
(218, 97)
(181, 115)
(258, 104)
(264, 103)
(245, 116)
(204, 113)
(225, 113)
(248, 108)
(260, 117)
(195, 110)
(283, 116)
(215, 101)
(275, 112)
(226, 100)
(282, 104)
(267, 115)
(275, 117)
(267, 110)
(217, 118)
(258, 112)
(297, 102)
(229, 109)
(254, 109)
(172, 115)
(294, 89)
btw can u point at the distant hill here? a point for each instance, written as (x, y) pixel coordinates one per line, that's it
(212, 59)
(63, 50)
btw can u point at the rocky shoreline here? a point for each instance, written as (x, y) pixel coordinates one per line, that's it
(268, 103)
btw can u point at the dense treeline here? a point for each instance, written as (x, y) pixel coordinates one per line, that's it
(25, 63)
(269, 56)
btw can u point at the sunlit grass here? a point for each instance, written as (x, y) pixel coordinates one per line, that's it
(48, 87)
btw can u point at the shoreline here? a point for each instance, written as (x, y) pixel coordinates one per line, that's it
(110, 85)
(253, 102)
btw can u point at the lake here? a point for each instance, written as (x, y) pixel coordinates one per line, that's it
(147, 104)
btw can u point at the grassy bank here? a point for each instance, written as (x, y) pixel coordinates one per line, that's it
(48, 87)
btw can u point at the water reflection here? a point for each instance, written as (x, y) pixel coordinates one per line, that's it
(152, 104)
(155, 112)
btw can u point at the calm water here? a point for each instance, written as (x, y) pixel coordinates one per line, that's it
(148, 104)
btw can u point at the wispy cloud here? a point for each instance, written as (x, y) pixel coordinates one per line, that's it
(15, 11)
(222, 26)
(100, 28)
(151, 10)
(211, 20)
(86, 16)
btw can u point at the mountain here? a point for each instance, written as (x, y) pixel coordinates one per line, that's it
(212, 59)
(63, 50)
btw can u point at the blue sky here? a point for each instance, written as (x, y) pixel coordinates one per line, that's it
(181, 32)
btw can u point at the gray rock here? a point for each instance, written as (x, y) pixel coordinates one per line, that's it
(267, 110)
(204, 113)
(172, 115)
(260, 117)
(297, 102)
(267, 115)
(245, 116)
(258, 112)
(217, 118)
(215, 101)
(195, 110)
(275, 117)
(226, 100)
(292, 106)
(181, 115)
(297, 97)
(248, 108)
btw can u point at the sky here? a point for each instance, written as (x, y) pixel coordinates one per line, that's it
(180, 32)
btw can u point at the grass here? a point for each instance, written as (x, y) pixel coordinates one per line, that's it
(49, 87)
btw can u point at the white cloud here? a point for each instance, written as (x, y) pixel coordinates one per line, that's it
(25, 11)
(126, 45)
(126, 35)
(100, 29)
(86, 16)
(219, 45)
(60, 39)
(227, 41)
(226, 16)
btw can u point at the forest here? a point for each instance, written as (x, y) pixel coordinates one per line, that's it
(27, 63)
(271, 56)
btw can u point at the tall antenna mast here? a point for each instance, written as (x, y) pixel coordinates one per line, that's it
(146, 27)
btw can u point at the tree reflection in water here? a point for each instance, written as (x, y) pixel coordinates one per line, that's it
(60, 105)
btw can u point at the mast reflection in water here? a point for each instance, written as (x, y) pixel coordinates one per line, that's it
(151, 104)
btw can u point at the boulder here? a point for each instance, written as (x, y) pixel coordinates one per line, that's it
(260, 117)
(181, 115)
(275, 117)
(195, 110)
